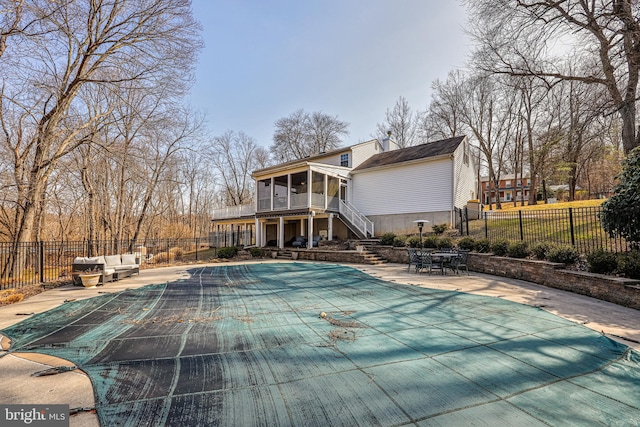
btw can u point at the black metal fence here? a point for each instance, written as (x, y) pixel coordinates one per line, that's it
(579, 227)
(45, 262)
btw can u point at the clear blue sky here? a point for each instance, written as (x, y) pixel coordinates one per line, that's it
(265, 59)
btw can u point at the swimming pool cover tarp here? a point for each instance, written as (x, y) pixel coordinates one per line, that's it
(245, 345)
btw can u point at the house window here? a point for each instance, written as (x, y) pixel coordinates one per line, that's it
(519, 183)
(344, 159)
(507, 184)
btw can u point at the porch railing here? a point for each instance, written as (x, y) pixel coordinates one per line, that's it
(234, 211)
(363, 224)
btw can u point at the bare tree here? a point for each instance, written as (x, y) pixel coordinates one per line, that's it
(73, 47)
(402, 123)
(235, 156)
(303, 134)
(602, 35)
(442, 118)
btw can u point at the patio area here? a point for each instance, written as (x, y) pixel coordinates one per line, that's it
(248, 345)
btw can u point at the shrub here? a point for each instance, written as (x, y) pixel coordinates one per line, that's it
(229, 252)
(499, 247)
(518, 250)
(445, 243)
(413, 241)
(621, 211)
(563, 253)
(400, 241)
(629, 264)
(467, 243)
(439, 228)
(256, 252)
(540, 250)
(177, 252)
(163, 257)
(602, 262)
(387, 239)
(430, 241)
(483, 246)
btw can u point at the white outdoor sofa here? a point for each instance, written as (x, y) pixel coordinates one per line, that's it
(110, 267)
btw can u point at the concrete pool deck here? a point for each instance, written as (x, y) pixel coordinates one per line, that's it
(74, 388)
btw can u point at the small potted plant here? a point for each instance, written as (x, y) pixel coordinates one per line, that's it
(90, 278)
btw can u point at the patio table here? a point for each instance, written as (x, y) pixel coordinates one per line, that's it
(444, 257)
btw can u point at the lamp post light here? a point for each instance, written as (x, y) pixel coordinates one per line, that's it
(420, 223)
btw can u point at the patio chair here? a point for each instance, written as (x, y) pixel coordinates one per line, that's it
(432, 263)
(460, 262)
(414, 259)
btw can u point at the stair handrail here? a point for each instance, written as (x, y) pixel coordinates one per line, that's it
(356, 218)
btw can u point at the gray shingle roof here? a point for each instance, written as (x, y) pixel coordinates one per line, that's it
(417, 152)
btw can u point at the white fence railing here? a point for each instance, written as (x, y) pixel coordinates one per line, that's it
(234, 211)
(358, 220)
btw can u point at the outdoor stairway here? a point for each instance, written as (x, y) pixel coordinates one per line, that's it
(284, 254)
(371, 258)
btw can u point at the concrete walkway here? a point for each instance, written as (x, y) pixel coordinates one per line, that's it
(74, 388)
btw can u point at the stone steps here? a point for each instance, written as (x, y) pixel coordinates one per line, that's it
(372, 258)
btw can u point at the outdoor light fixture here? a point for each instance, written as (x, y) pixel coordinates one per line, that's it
(420, 223)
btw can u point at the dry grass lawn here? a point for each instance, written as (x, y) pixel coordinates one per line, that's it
(508, 206)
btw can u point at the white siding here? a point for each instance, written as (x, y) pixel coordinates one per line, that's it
(330, 160)
(363, 151)
(419, 187)
(465, 187)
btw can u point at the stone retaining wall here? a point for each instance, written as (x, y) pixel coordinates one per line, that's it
(618, 290)
(330, 256)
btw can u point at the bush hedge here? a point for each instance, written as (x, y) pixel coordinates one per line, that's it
(400, 241)
(387, 239)
(445, 243)
(602, 262)
(413, 241)
(439, 228)
(228, 252)
(564, 254)
(499, 247)
(518, 250)
(629, 264)
(467, 243)
(540, 250)
(483, 246)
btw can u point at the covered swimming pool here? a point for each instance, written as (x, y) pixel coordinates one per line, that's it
(247, 345)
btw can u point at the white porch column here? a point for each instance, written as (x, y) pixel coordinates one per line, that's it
(330, 231)
(309, 187)
(310, 236)
(257, 231)
(302, 228)
(281, 232)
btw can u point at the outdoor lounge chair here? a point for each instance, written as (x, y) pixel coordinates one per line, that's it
(299, 242)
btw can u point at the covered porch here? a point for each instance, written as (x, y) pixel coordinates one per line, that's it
(280, 230)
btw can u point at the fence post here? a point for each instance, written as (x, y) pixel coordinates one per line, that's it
(486, 226)
(41, 262)
(573, 239)
(197, 244)
(466, 218)
(520, 220)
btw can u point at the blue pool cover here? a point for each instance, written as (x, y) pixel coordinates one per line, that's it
(246, 345)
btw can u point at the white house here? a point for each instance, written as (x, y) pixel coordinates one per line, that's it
(360, 191)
